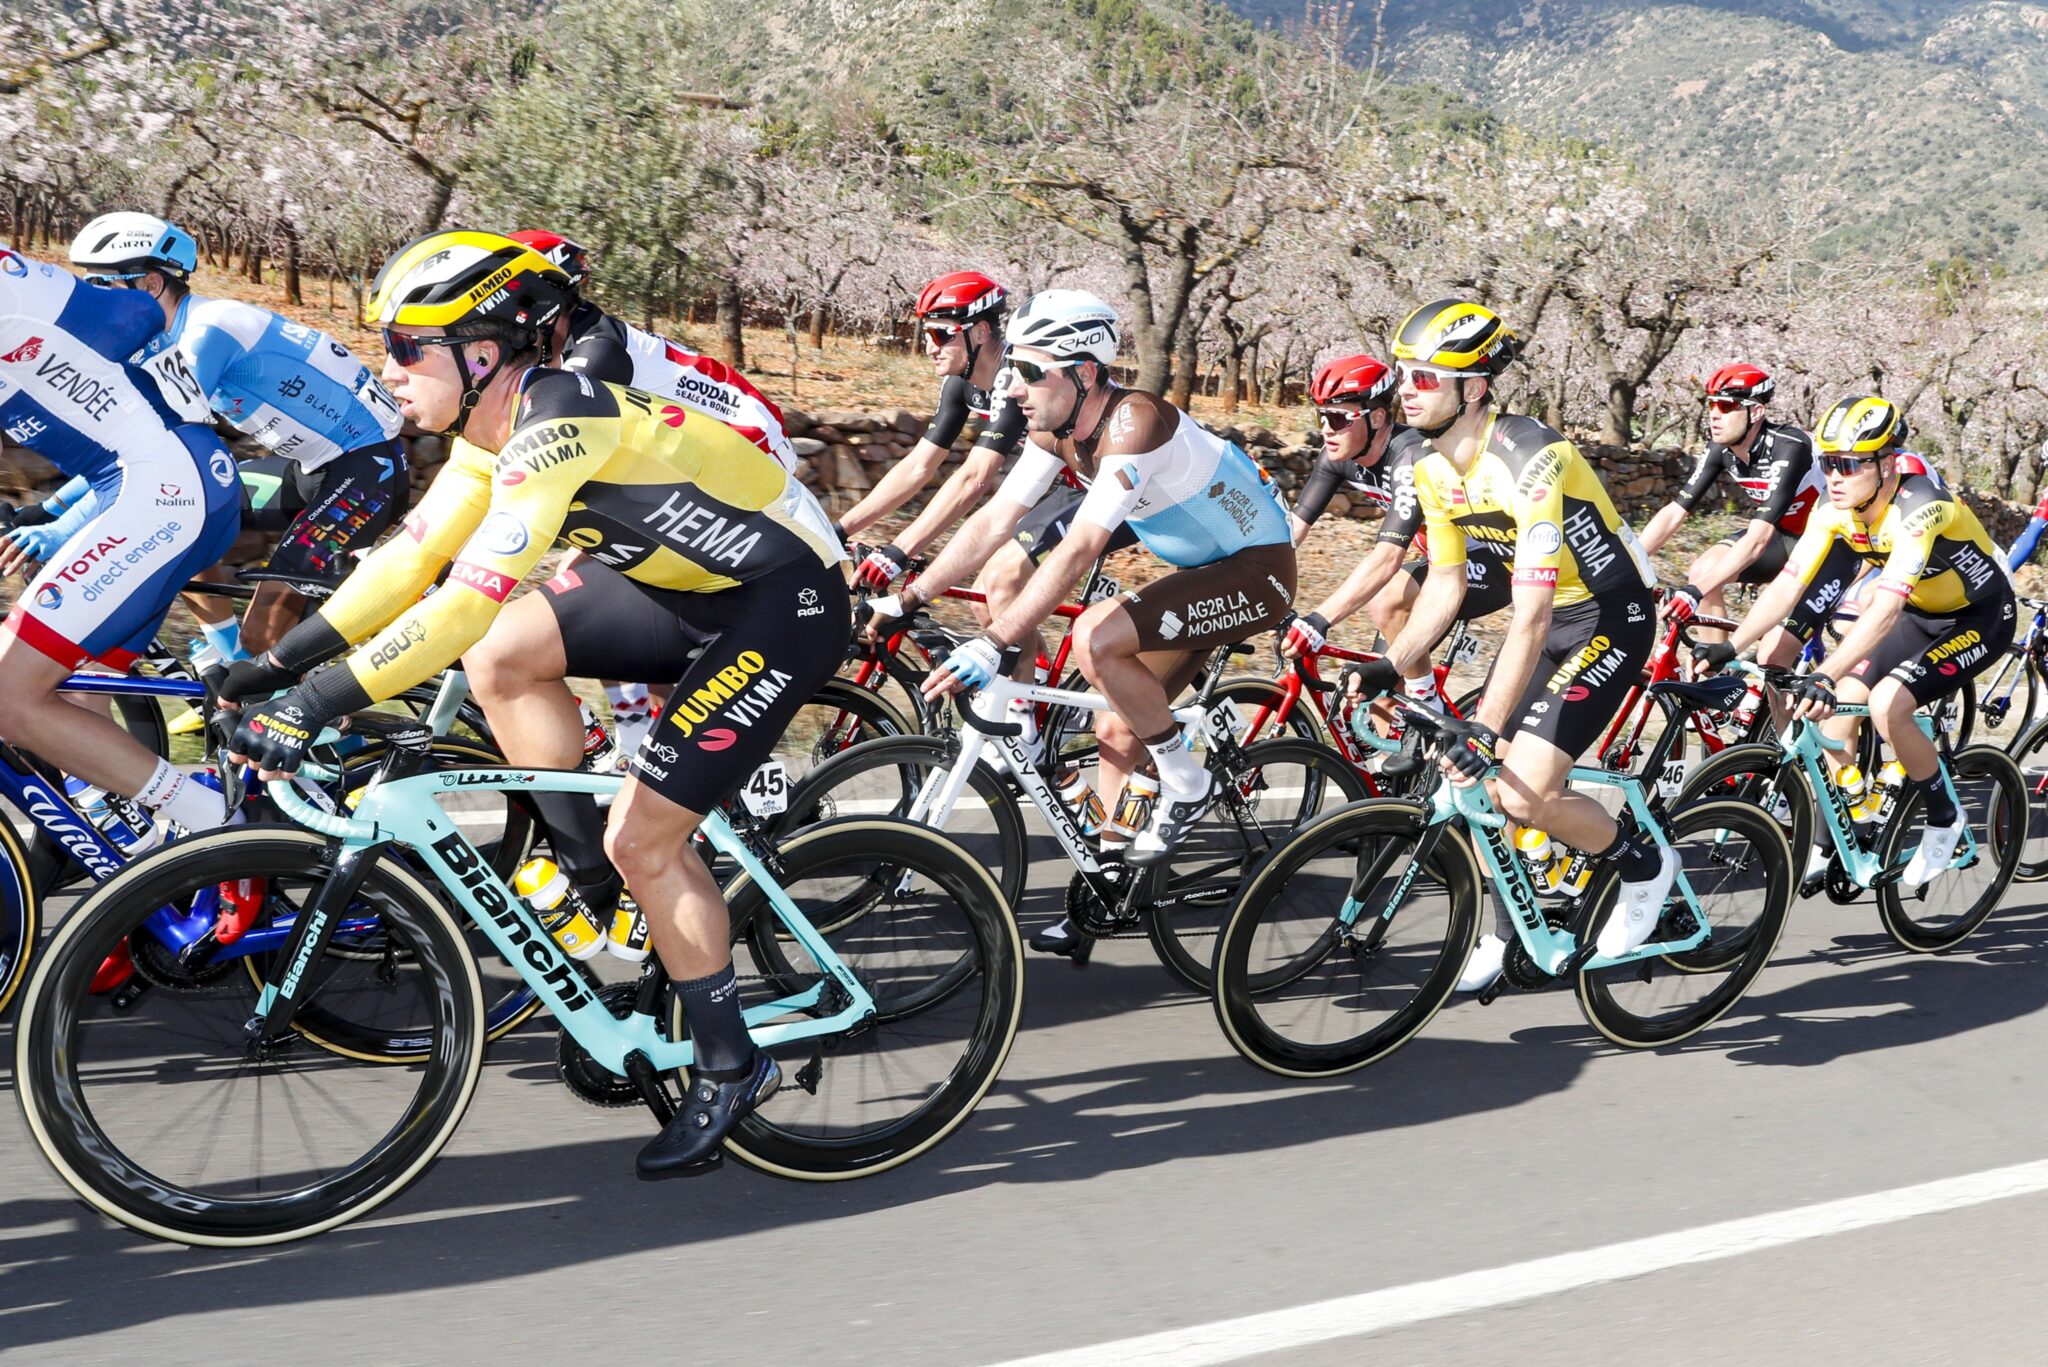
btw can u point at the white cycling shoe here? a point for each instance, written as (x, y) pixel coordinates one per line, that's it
(1484, 965)
(1816, 864)
(1937, 851)
(1637, 910)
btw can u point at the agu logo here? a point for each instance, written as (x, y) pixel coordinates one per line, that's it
(49, 598)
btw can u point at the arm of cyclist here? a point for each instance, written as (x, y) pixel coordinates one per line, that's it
(1719, 565)
(964, 488)
(2023, 548)
(1047, 588)
(902, 480)
(392, 577)
(1367, 578)
(22, 545)
(984, 533)
(1320, 486)
(1672, 515)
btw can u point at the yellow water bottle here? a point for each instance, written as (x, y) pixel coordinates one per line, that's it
(1540, 856)
(628, 938)
(548, 891)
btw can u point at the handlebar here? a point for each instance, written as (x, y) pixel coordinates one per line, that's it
(983, 724)
(298, 808)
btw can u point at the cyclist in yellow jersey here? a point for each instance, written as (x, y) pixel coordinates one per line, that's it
(1943, 609)
(1582, 626)
(707, 566)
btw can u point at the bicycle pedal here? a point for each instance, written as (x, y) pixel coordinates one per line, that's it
(1491, 991)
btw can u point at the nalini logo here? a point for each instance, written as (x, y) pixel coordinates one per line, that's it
(49, 598)
(27, 351)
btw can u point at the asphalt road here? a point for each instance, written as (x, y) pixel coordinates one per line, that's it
(1131, 1176)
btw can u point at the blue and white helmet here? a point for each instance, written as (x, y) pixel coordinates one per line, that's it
(126, 241)
(1065, 323)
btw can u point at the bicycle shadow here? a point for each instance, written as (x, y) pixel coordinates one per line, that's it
(478, 1218)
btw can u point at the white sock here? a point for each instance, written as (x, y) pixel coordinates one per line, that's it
(626, 697)
(1180, 773)
(171, 794)
(1422, 689)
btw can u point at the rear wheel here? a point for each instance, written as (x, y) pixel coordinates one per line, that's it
(2006, 700)
(1992, 797)
(1259, 700)
(2031, 754)
(18, 918)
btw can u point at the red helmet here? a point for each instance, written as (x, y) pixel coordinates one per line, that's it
(1744, 383)
(961, 295)
(1352, 377)
(568, 257)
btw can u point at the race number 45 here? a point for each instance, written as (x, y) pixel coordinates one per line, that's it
(766, 791)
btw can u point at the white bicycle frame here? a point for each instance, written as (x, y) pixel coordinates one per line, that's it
(934, 804)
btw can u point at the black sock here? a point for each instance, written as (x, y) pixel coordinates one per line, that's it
(711, 1006)
(599, 891)
(1941, 808)
(1638, 860)
(575, 829)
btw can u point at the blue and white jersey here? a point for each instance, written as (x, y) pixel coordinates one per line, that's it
(68, 390)
(1193, 498)
(291, 388)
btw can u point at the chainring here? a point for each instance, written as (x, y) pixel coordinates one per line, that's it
(1087, 911)
(157, 964)
(1841, 887)
(586, 1080)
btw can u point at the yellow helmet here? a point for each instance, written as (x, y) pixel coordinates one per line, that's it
(1456, 335)
(1862, 423)
(461, 279)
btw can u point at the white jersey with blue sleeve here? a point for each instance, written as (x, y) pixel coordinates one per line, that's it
(292, 389)
(1189, 496)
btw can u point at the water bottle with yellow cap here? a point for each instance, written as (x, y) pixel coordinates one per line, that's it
(553, 898)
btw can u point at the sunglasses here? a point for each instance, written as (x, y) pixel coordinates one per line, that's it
(126, 282)
(1846, 465)
(939, 334)
(410, 350)
(1337, 421)
(1032, 372)
(1727, 405)
(1429, 381)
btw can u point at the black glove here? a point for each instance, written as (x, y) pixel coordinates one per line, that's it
(839, 532)
(1471, 749)
(1711, 657)
(275, 735)
(29, 515)
(1376, 678)
(1814, 688)
(257, 678)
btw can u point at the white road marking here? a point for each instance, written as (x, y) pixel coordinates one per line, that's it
(1375, 1311)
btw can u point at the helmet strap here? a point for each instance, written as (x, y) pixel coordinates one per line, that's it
(1066, 429)
(1463, 403)
(1887, 484)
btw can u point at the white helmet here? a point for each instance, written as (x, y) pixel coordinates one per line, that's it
(126, 239)
(1065, 323)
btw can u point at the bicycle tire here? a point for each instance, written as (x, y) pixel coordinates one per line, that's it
(1254, 695)
(2006, 803)
(773, 1139)
(1598, 990)
(1374, 828)
(1757, 773)
(1206, 872)
(507, 1006)
(20, 919)
(839, 716)
(52, 1058)
(2031, 755)
(1003, 849)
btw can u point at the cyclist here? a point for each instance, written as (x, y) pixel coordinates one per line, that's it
(706, 561)
(1943, 608)
(588, 339)
(335, 475)
(163, 508)
(1367, 451)
(961, 318)
(1197, 502)
(2030, 537)
(1582, 628)
(1773, 469)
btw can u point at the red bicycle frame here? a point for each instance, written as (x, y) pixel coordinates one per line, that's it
(1663, 665)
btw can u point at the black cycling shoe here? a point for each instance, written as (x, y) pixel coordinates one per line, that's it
(1061, 938)
(1171, 821)
(689, 1145)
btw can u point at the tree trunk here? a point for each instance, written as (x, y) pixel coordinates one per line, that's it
(1186, 361)
(1617, 427)
(292, 291)
(818, 328)
(730, 313)
(1233, 373)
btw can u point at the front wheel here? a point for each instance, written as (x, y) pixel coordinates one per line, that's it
(1739, 869)
(924, 929)
(1993, 800)
(18, 919)
(1347, 940)
(159, 1110)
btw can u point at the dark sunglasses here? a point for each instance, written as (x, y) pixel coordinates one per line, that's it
(1031, 372)
(409, 350)
(1846, 465)
(1428, 381)
(1337, 421)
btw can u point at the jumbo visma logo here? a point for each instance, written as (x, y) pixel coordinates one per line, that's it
(740, 693)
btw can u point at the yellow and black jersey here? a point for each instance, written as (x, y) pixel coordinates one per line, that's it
(667, 495)
(1930, 548)
(1531, 494)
